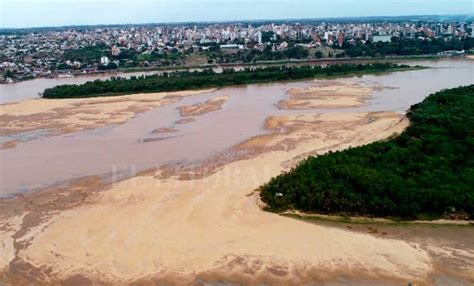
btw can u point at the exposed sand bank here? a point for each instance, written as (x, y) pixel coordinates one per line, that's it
(9, 144)
(185, 120)
(175, 226)
(285, 133)
(148, 229)
(201, 108)
(71, 115)
(164, 130)
(334, 94)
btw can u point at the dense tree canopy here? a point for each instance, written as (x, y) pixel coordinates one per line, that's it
(428, 169)
(87, 54)
(183, 80)
(406, 47)
(254, 55)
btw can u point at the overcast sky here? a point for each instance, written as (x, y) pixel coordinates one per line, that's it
(34, 13)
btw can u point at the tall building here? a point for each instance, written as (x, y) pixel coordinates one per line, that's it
(438, 30)
(450, 29)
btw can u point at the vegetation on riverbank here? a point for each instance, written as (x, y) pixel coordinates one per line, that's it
(427, 171)
(184, 80)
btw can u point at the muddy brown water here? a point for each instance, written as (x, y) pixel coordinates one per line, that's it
(126, 149)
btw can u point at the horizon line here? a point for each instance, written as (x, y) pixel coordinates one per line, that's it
(233, 21)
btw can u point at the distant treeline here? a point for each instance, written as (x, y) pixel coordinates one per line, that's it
(253, 55)
(87, 54)
(427, 171)
(406, 47)
(183, 80)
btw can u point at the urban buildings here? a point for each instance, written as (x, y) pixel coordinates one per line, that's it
(48, 52)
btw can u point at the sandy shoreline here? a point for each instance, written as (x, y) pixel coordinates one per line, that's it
(60, 116)
(209, 226)
(188, 226)
(373, 220)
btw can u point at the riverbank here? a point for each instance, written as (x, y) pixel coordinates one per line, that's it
(209, 79)
(200, 221)
(19, 121)
(372, 220)
(453, 240)
(372, 180)
(213, 217)
(207, 228)
(212, 228)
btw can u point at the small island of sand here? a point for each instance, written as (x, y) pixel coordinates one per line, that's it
(328, 95)
(201, 108)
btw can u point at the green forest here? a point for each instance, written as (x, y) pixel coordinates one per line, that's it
(183, 80)
(87, 54)
(406, 47)
(426, 172)
(253, 55)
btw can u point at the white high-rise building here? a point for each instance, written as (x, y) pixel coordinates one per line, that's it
(104, 60)
(259, 37)
(450, 29)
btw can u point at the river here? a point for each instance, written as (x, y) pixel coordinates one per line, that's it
(48, 160)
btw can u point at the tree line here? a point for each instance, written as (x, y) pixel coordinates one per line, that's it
(183, 80)
(427, 171)
(406, 47)
(254, 55)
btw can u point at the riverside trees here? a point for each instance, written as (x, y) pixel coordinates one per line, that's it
(183, 80)
(428, 169)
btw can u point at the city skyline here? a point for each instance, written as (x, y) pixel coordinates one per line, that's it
(19, 13)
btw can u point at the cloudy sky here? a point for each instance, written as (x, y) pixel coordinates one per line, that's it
(34, 13)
